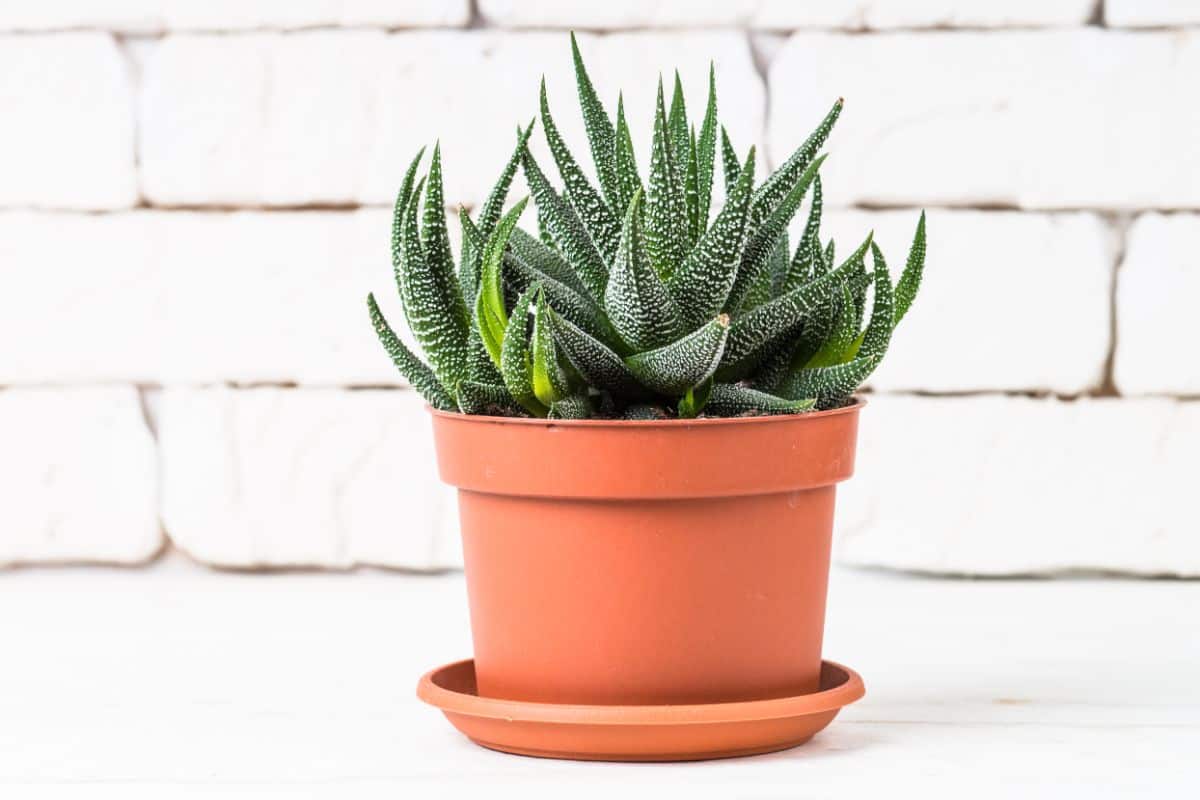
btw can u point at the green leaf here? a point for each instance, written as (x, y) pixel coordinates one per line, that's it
(776, 271)
(489, 399)
(729, 162)
(733, 400)
(694, 400)
(599, 130)
(677, 125)
(491, 284)
(774, 366)
(601, 225)
(516, 359)
(549, 381)
(759, 291)
(491, 328)
(471, 256)
(820, 326)
(702, 284)
(706, 153)
(544, 259)
(595, 362)
(571, 303)
(480, 367)
(687, 362)
(692, 195)
(845, 332)
(530, 261)
(877, 336)
(543, 232)
(570, 237)
(808, 251)
(831, 385)
(431, 303)
(777, 186)
(636, 301)
(435, 240)
(493, 206)
(763, 239)
(399, 210)
(753, 333)
(666, 207)
(628, 181)
(682, 141)
(577, 406)
(419, 376)
(490, 312)
(910, 279)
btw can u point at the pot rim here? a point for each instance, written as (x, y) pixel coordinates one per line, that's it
(858, 402)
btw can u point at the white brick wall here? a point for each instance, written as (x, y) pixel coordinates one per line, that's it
(1011, 485)
(784, 14)
(81, 298)
(77, 467)
(294, 311)
(155, 16)
(194, 202)
(1157, 328)
(276, 477)
(988, 312)
(335, 116)
(68, 134)
(1081, 118)
(1151, 13)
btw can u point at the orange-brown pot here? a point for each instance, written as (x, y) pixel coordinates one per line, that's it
(613, 562)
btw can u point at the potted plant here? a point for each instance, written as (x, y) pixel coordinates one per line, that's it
(646, 408)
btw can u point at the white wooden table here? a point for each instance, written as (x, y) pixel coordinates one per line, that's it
(176, 681)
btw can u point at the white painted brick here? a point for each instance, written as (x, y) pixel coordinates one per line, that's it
(784, 14)
(335, 117)
(196, 297)
(68, 134)
(1151, 13)
(155, 16)
(1157, 328)
(1010, 301)
(276, 297)
(78, 471)
(81, 297)
(1071, 119)
(271, 477)
(1004, 485)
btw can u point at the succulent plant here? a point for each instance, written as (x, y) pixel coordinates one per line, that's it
(634, 300)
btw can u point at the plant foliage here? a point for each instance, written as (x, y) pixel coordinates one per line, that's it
(637, 299)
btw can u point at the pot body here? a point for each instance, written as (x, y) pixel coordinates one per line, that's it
(647, 562)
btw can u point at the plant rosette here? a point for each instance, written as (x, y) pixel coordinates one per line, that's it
(646, 408)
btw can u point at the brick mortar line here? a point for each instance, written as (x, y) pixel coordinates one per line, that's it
(1119, 224)
(144, 388)
(131, 33)
(348, 208)
(480, 23)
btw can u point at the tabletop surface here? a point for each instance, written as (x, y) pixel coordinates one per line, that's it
(178, 681)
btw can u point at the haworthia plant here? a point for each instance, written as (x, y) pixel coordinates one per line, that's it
(639, 301)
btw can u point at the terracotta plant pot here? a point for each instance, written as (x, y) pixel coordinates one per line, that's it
(672, 562)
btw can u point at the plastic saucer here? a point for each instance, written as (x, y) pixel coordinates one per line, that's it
(637, 733)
